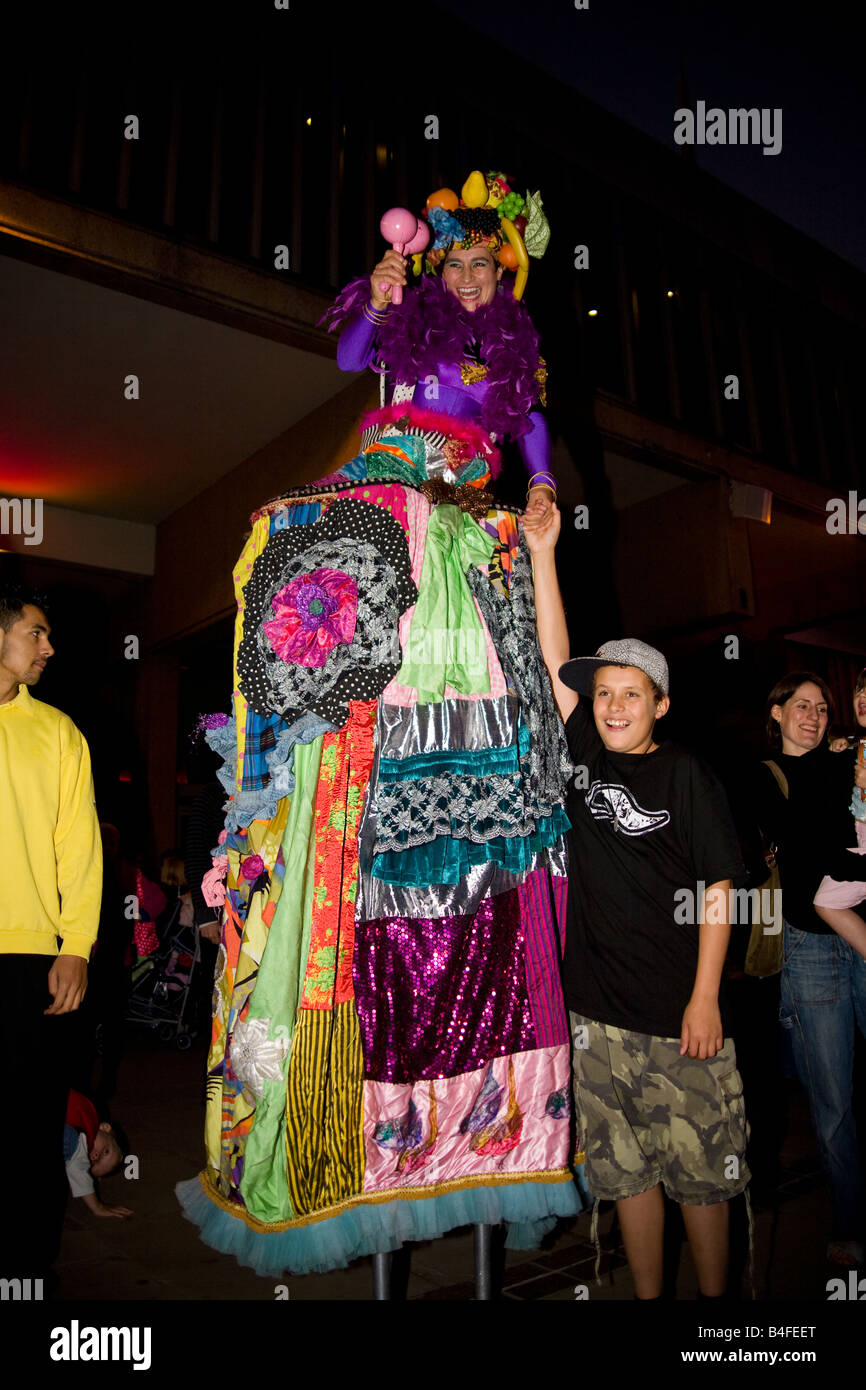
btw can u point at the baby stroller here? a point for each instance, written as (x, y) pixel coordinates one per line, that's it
(162, 979)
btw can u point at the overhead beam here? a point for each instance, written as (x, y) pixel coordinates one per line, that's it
(93, 246)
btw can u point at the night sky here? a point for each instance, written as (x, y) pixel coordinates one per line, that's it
(803, 57)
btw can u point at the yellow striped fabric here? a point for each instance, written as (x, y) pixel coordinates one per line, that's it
(324, 1109)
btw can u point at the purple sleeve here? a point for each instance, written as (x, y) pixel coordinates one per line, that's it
(355, 348)
(534, 446)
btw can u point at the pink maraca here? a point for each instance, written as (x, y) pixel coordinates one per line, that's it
(399, 226)
(420, 241)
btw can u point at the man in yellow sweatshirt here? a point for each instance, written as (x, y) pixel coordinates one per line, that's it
(50, 890)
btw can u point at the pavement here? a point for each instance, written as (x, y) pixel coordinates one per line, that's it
(157, 1256)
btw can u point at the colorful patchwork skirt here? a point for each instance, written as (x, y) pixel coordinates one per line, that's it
(390, 1050)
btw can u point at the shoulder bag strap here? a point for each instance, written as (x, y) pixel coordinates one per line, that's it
(779, 775)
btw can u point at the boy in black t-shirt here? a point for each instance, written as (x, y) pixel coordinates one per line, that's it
(657, 1091)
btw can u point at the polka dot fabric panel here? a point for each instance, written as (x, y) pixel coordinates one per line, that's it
(356, 538)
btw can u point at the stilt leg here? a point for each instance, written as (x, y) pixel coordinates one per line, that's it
(483, 1280)
(401, 1268)
(381, 1278)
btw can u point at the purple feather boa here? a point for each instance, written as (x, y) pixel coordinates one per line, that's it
(431, 328)
(349, 301)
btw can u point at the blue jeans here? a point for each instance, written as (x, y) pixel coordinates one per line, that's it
(823, 994)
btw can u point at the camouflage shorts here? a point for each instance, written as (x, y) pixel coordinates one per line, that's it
(646, 1115)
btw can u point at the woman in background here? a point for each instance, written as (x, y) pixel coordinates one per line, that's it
(823, 978)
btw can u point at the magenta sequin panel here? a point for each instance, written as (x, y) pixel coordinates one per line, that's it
(440, 996)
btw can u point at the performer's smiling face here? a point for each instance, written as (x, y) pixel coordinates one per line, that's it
(472, 276)
(625, 709)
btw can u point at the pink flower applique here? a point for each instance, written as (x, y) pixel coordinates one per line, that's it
(252, 867)
(312, 615)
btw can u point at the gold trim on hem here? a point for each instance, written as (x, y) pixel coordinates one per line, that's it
(559, 1175)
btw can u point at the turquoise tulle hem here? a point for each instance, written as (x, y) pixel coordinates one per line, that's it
(530, 1208)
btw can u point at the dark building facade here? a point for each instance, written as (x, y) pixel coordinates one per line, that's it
(704, 357)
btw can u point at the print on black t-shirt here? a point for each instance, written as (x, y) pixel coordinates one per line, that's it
(610, 801)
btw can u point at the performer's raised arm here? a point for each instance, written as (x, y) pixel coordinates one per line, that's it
(355, 350)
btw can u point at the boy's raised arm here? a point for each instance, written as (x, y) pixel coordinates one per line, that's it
(541, 528)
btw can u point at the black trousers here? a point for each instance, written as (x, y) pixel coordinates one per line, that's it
(35, 1054)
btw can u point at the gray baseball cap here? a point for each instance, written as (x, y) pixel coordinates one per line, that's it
(625, 651)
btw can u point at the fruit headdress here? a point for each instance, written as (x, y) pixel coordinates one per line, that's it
(488, 213)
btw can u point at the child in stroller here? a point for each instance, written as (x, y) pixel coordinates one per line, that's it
(168, 955)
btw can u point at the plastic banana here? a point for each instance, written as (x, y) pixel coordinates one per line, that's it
(515, 240)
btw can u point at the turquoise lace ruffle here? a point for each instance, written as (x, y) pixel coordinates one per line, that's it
(448, 861)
